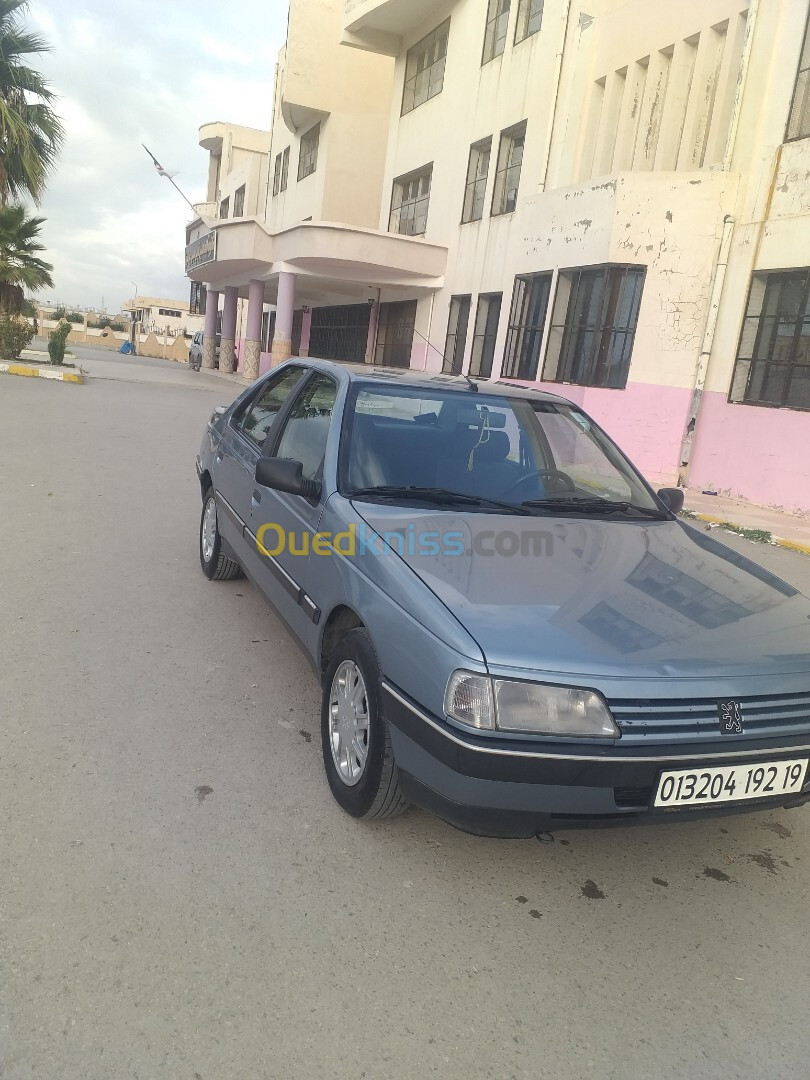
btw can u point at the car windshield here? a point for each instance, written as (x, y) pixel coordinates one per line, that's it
(408, 444)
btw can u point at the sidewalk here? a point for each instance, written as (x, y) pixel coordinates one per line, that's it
(758, 522)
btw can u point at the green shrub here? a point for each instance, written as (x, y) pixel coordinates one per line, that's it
(15, 335)
(105, 323)
(56, 342)
(75, 317)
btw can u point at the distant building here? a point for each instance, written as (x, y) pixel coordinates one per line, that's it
(158, 316)
(605, 198)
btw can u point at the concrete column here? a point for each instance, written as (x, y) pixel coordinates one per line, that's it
(253, 334)
(285, 306)
(306, 330)
(209, 354)
(227, 345)
(373, 323)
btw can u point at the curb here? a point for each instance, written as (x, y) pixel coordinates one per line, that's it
(791, 545)
(42, 373)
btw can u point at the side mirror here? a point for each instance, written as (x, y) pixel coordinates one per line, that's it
(672, 498)
(283, 474)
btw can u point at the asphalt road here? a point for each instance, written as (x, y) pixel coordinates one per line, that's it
(179, 896)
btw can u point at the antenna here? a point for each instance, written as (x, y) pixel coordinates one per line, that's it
(472, 385)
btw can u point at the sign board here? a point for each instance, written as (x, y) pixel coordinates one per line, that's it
(201, 252)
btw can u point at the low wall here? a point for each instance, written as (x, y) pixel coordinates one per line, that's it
(162, 346)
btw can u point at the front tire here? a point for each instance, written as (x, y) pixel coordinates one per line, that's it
(355, 737)
(216, 565)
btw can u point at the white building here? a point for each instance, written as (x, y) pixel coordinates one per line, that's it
(160, 316)
(607, 198)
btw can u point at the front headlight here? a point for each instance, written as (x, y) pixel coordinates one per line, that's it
(507, 705)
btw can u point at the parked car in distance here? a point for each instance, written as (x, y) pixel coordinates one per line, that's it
(509, 626)
(196, 350)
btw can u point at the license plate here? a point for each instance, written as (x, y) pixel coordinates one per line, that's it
(730, 783)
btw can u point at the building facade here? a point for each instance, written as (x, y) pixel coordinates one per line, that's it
(605, 198)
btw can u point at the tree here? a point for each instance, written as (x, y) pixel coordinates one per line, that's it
(30, 131)
(20, 265)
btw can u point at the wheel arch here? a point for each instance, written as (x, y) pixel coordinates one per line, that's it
(205, 482)
(341, 619)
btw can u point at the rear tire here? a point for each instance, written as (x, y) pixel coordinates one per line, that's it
(355, 738)
(216, 565)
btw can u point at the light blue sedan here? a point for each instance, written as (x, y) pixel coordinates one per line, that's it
(509, 626)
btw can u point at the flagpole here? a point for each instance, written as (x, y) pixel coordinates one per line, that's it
(163, 172)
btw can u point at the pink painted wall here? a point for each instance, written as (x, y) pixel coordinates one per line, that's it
(755, 453)
(646, 421)
(264, 362)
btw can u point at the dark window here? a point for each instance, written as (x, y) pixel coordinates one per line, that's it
(170, 313)
(285, 169)
(487, 317)
(308, 155)
(239, 202)
(497, 25)
(306, 429)
(773, 357)
(456, 334)
(477, 172)
(529, 18)
(510, 162)
(527, 321)
(799, 120)
(424, 68)
(395, 334)
(258, 418)
(197, 299)
(277, 175)
(594, 325)
(340, 333)
(409, 202)
(223, 208)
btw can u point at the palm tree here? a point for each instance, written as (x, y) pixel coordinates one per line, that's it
(30, 131)
(20, 265)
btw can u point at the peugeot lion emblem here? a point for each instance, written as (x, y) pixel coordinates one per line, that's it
(731, 719)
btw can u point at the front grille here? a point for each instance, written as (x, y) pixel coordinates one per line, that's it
(688, 719)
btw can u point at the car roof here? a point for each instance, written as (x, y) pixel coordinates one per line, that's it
(430, 380)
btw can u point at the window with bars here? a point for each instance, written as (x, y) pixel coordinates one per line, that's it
(593, 325)
(224, 208)
(477, 172)
(529, 19)
(510, 162)
(487, 317)
(456, 334)
(285, 169)
(308, 154)
(424, 68)
(527, 321)
(277, 175)
(799, 120)
(409, 202)
(239, 202)
(773, 358)
(197, 299)
(497, 25)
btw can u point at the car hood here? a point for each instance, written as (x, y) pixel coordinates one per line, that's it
(593, 597)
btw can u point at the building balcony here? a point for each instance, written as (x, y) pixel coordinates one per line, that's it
(380, 25)
(326, 257)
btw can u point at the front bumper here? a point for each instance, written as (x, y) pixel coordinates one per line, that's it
(510, 787)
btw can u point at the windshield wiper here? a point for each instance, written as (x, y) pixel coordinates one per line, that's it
(438, 495)
(595, 506)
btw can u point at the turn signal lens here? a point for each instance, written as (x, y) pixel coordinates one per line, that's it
(468, 699)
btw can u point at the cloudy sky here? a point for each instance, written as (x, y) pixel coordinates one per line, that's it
(150, 71)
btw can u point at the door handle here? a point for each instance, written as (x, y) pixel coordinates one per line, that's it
(256, 498)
